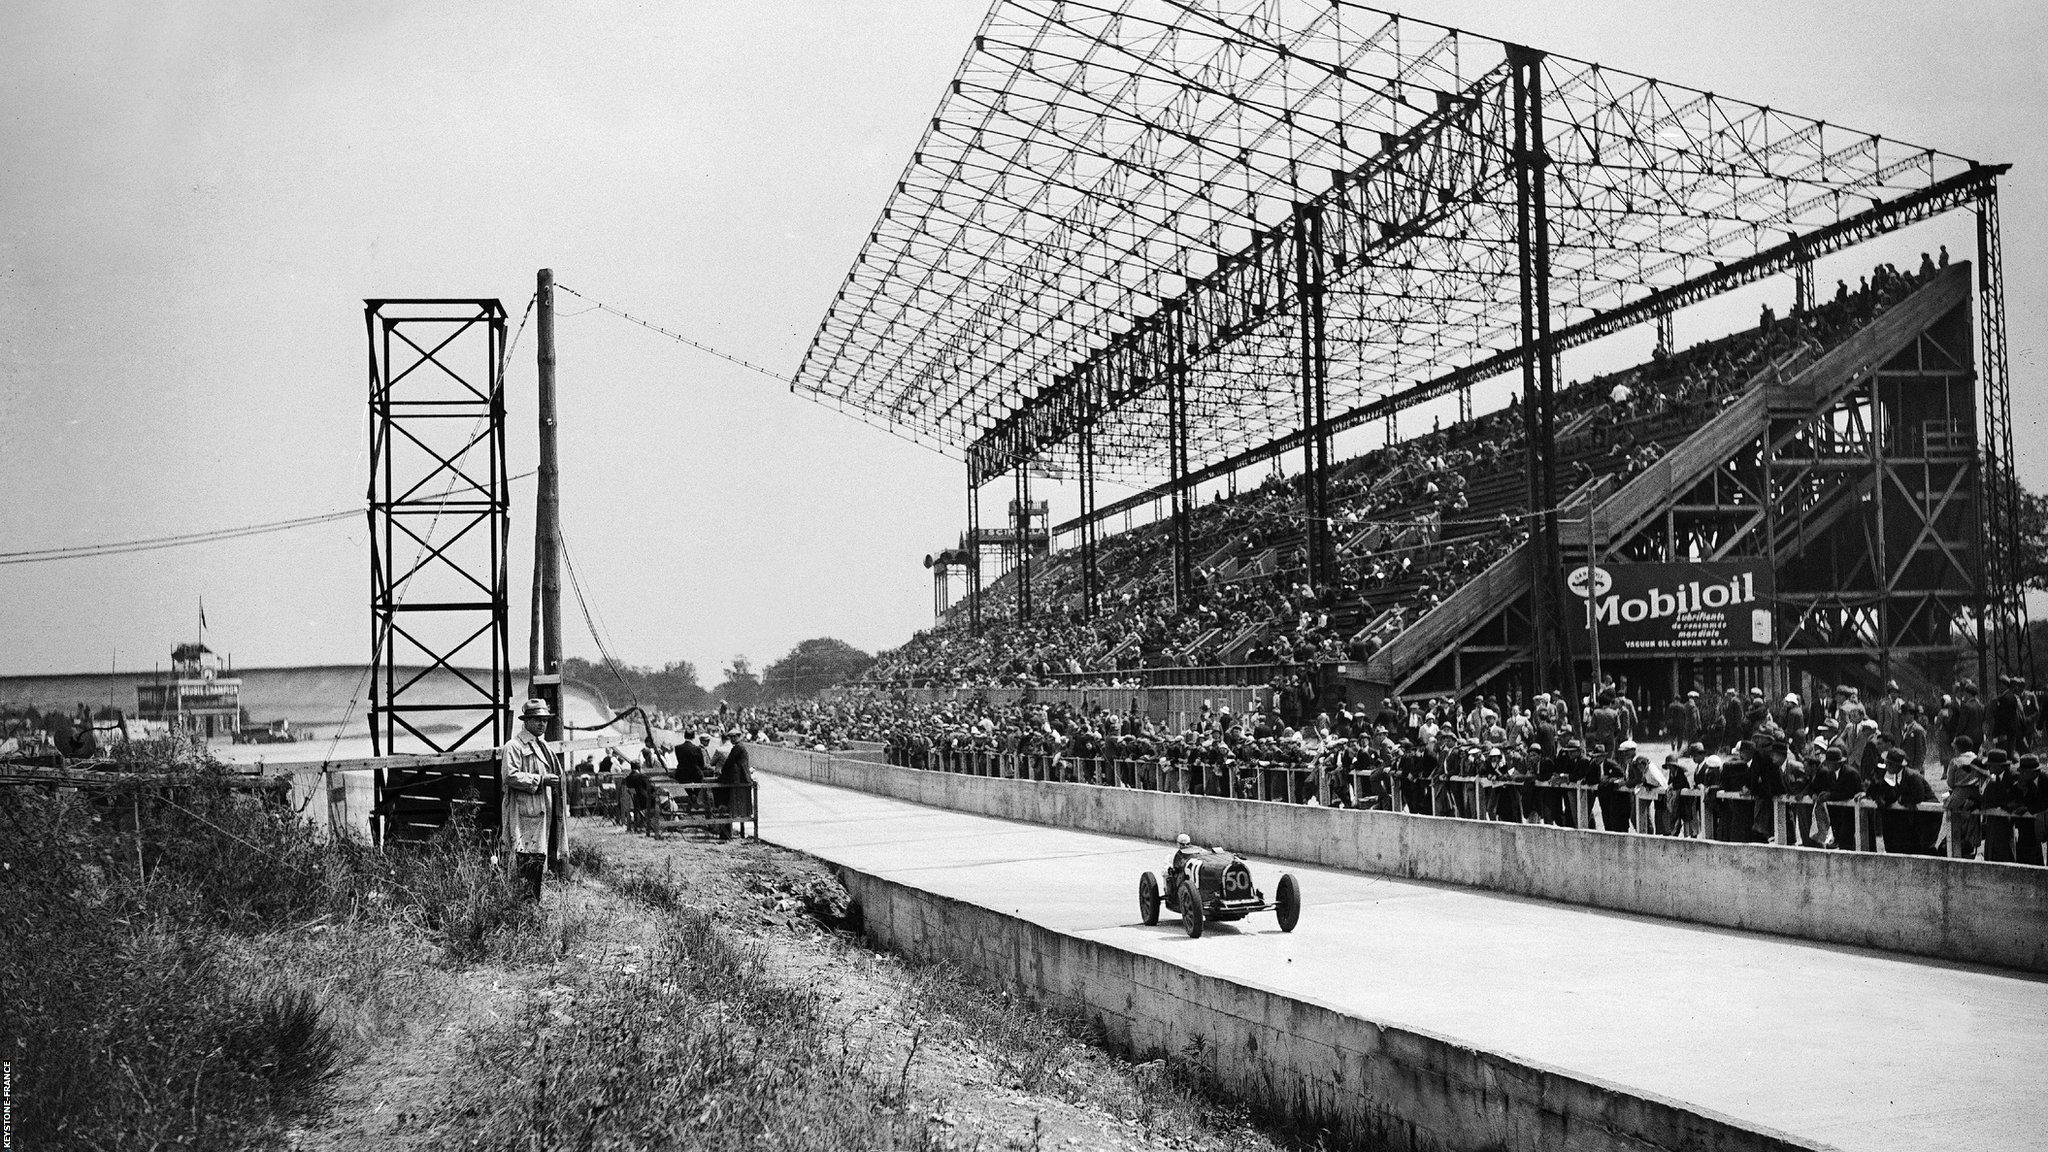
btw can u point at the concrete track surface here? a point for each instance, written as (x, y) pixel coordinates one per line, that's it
(1825, 1046)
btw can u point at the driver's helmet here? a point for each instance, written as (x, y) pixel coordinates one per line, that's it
(1183, 840)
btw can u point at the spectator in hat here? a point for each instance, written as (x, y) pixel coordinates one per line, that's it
(1913, 738)
(2008, 716)
(639, 788)
(1616, 799)
(2030, 808)
(1890, 712)
(1967, 774)
(1682, 720)
(1849, 712)
(690, 763)
(1755, 714)
(1792, 719)
(1604, 725)
(1970, 714)
(2001, 803)
(1899, 791)
(533, 810)
(1857, 736)
(1839, 782)
(737, 776)
(1728, 720)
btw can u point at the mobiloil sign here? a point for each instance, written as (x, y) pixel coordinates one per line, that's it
(1645, 608)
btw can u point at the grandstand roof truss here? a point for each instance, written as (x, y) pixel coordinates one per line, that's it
(1117, 195)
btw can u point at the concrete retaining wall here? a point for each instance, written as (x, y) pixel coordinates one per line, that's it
(1953, 909)
(1375, 1086)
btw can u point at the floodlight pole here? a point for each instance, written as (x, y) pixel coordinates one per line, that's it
(545, 681)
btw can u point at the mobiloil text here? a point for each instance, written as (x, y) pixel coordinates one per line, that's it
(1655, 603)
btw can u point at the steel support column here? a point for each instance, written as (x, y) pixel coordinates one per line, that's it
(2002, 645)
(1550, 644)
(1177, 464)
(1309, 275)
(973, 554)
(1020, 523)
(1880, 544)
(1090, 593)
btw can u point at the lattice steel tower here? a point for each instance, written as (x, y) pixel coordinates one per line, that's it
(438, 512)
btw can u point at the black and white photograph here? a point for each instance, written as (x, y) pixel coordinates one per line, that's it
(1023, 576)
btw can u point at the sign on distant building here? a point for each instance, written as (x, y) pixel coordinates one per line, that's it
(201, 695)
(1659, 609)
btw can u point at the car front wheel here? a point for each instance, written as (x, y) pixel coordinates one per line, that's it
(1191, 911)
(1287, 902)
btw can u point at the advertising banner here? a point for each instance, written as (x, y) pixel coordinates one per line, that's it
(1672, 609)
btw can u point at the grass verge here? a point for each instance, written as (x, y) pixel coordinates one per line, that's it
(704, 1049)
(139, 1009)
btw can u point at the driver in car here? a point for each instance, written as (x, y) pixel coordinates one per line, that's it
(1185, 849)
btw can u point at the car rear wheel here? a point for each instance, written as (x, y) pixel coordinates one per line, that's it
(1287, 902)
(1191, 911)
(1148, 898)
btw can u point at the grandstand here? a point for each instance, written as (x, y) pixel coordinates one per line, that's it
(1162, 244)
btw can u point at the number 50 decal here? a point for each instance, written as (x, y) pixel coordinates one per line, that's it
(1236, 881)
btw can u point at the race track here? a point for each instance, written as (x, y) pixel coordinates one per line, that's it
(1773, 1034)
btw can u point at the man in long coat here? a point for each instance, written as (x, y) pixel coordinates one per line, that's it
(738, 777)
(532, 806)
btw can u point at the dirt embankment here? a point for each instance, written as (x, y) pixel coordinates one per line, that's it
(686, 993)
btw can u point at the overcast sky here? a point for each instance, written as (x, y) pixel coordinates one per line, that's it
(195, 198)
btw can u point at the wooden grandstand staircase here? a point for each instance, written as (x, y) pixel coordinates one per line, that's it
(1795, 389)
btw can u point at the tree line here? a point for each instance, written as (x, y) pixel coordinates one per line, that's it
(806, 670)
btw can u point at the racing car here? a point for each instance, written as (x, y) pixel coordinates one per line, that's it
(1210, 885)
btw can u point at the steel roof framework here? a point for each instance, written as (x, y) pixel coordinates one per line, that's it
(1158, 240)
(1096, 171)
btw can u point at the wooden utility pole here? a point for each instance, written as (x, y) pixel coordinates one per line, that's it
(547, 547)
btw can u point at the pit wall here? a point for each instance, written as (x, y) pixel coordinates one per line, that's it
(1965, 910)
(1373, 1086)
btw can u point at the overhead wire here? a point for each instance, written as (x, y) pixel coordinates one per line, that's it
(590, 619)
(152, 544)
(185, 539)
(678, 337)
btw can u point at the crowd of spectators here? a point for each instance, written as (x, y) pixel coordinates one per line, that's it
(1411, 523)
(1957, 775)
